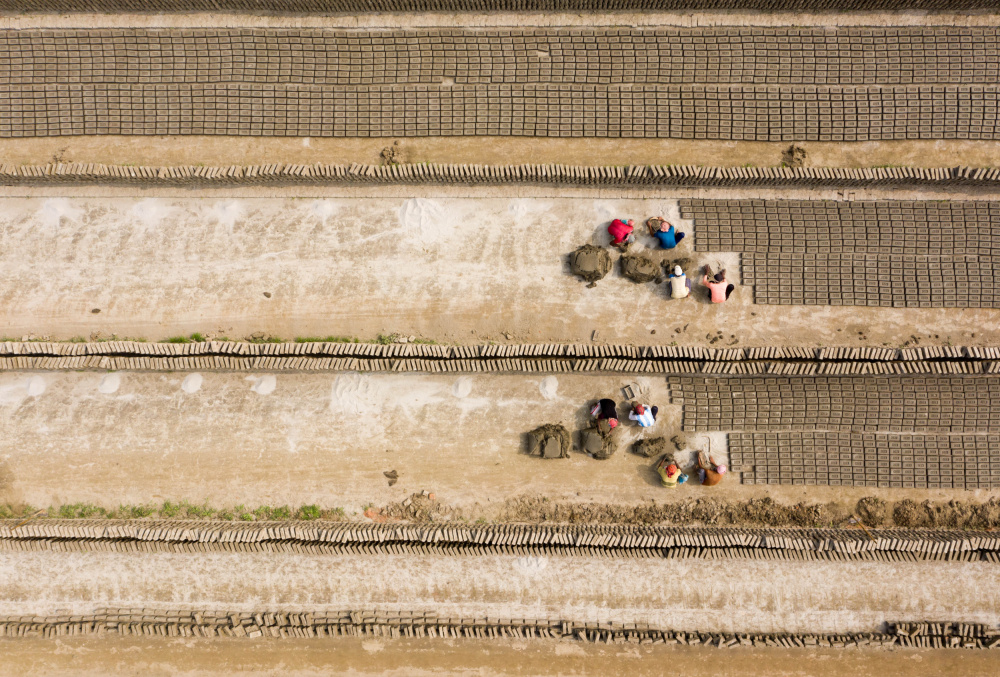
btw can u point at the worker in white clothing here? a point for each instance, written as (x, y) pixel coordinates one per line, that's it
(680, 284)
(643, 414)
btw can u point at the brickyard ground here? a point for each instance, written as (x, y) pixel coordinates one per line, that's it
(453, 265)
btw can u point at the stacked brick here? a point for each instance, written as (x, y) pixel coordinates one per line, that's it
(913, 254)
(521, 358)
(866, 460)
(765, 55)
(946, 404)
(748, 113)
(395, 623)
(617, 541)
(356, 6)
(673, 176)
(774, 84)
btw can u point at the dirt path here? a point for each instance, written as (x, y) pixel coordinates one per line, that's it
(449, 269)
(73, 657)
(720, 596)
(327, 439)
(220, 150)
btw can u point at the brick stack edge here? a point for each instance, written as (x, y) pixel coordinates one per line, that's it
(351, 6)
(408, 623)
(673, 176)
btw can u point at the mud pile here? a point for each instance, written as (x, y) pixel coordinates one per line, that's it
(639, 268)
(599, 445)
(549, 441)
(590, 263)
(650, 447)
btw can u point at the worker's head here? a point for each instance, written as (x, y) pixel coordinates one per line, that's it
(639, 409)
(671, 469)
(721, 469)
(612, 423)
(677, 271)
(720, 277)
(664, 226)
(631, 222)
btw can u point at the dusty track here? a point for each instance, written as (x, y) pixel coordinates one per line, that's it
(364, 657)
(454, 270)
(807, 597)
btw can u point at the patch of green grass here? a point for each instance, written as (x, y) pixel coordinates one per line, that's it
(267, 339)
(328, 339)
(309, 512)
(193, 338)
(425, 342)
(77, 339)
(134, 511)
(174, 510)
(78, 511)
(197, 511)
(385, 339)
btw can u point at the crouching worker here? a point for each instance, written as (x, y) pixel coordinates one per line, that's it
(670, 474)
(680, 284)
(668, 236)
(643, 414)
(621, 233)
(717, 285)
(709, 472)
(606, 414)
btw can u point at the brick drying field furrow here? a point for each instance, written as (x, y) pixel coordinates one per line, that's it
(867, 460)
(849, 84)
(902, 254)
(751, 55)
(860, 404)
(729, 112)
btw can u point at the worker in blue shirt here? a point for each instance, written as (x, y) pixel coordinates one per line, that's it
(668, 236)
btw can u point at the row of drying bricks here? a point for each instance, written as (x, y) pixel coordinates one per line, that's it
(600, 536)
(453, 550)
(376, 350)
(397, 624)
(644, 175)
(326, 364)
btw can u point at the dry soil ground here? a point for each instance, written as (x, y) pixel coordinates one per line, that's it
(459, 270)
(78, 657)
(258, 439)
(723, 596)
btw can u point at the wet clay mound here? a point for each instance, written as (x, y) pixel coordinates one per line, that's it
(639, 268)
(549, 441)
(648, 448)
(590, 263)
(600, 446)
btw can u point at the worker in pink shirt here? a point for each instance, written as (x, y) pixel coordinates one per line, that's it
(717, 285)
(622, 233)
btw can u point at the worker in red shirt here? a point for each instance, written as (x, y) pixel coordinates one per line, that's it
(622, 233)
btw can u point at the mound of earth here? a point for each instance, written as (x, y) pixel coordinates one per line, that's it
(650, 447)
(549, 441)
(590, 263)
(908, 513)
(871, 511)
(600, 446)
(639, 268)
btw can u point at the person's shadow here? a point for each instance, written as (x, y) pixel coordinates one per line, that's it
(646, 469)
